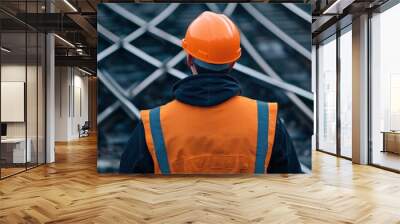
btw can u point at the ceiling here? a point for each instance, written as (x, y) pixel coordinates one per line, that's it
(75, 22)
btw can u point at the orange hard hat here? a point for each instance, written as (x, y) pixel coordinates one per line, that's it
(213, 38)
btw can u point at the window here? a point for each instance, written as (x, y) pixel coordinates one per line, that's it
(327, 96)
(385, 89)
(346, 93)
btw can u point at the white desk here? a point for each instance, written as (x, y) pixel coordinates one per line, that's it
(19, 149)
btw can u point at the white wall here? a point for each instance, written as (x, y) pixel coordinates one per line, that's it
(17, 73)
(61, 103)
(71, 102)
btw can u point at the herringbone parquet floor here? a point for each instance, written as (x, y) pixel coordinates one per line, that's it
(71, 191)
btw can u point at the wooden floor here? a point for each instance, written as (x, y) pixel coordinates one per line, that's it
(387, 159)
(5, 172)
(71, 191)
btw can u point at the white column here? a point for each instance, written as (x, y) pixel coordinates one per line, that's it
(50, 94)
(314, 91)
(360, 90)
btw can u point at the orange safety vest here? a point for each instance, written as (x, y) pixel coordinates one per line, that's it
(236, 136)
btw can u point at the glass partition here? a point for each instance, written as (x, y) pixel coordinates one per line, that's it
(32, 96)
(22, 77)
(13, 110)
(36, 88)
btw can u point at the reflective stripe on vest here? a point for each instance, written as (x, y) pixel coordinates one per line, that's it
(158, 138)
(161, 121)
(262, 136)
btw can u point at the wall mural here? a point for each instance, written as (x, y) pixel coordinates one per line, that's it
(140, 58)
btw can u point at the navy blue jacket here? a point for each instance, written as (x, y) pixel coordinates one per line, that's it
(208, 90)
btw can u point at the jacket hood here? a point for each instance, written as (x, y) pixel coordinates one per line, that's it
(206, 89)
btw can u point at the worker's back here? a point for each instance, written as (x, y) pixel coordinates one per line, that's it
(209, 128)
(226, 138)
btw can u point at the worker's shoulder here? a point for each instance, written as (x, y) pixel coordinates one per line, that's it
(244, 98)
(170, 103)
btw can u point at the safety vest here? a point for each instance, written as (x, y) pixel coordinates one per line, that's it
(236, 136)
